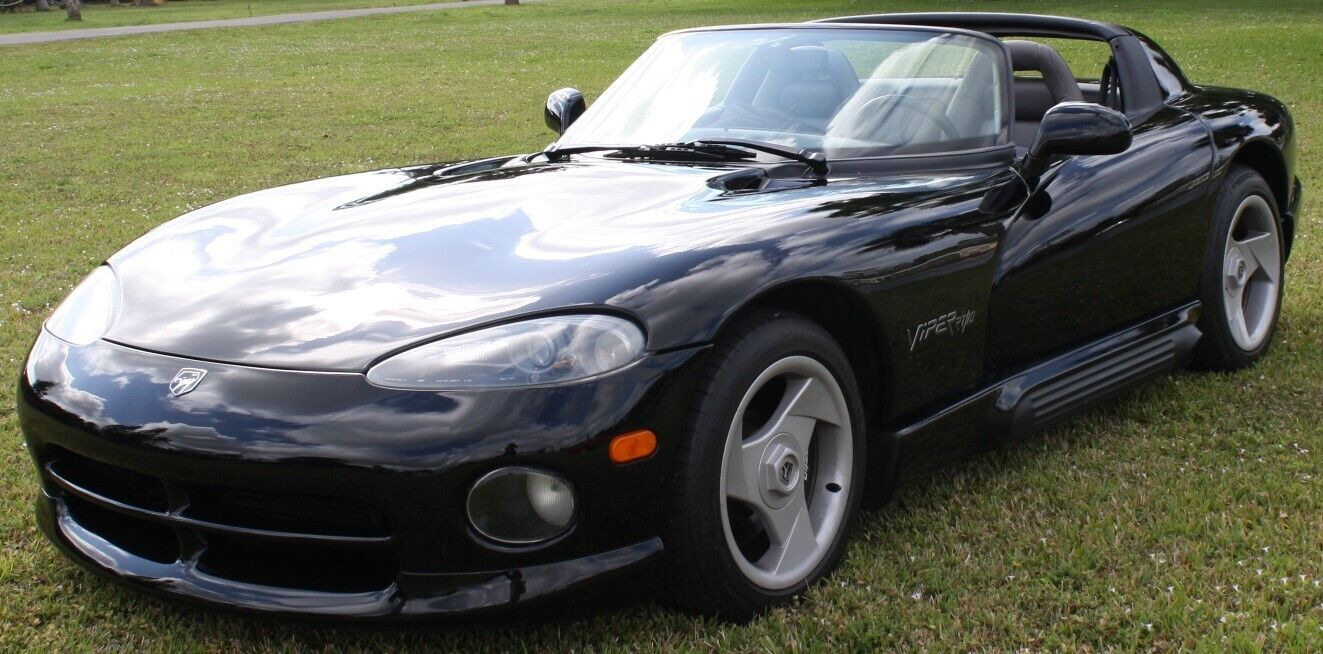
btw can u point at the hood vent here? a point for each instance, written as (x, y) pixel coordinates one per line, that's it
(756, 180)
(747, 180)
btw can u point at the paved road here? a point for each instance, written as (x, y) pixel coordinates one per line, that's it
(278, 19)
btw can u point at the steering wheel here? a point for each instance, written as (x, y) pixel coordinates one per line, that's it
(867, 119)
(1109, 91)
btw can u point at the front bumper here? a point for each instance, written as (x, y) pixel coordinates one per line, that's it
(318, 494)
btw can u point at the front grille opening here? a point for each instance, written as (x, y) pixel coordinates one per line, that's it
(141, 538)
(113, 482)
(284, 513)
(303, 566)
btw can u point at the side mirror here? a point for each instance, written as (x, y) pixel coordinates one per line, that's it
(1076, 128)
(563, 108)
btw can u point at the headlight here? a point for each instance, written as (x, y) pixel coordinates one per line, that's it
(536, 352)
(89, 311)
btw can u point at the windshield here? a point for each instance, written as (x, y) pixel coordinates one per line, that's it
(843, 92)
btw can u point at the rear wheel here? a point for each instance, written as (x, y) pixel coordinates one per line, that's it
(771, 472)
(1242, 283)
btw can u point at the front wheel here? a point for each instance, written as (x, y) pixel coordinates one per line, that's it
(771, 471)
(1241, 288)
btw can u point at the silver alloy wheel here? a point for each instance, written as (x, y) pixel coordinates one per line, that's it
(791, 471)
(1251, 272)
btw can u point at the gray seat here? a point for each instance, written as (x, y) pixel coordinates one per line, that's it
(808, 82)
(973, 107)
(1059, 82)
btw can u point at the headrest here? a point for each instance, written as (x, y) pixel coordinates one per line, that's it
(1029, 55)
(807, 59)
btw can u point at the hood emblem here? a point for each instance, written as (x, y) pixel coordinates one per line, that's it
(186, 380)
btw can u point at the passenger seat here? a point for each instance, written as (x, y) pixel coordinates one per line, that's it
(1032, 97)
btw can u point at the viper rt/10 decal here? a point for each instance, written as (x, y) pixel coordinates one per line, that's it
(951, 323)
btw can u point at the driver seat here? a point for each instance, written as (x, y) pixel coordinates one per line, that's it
(1030, 103)
(808, 83)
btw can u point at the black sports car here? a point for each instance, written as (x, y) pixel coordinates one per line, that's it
(765, 268)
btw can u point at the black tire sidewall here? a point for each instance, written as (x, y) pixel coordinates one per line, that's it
(696, 538)
(1218, 350)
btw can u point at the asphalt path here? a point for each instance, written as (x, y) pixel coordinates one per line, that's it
(277, 19)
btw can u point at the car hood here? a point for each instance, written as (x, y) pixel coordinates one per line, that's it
(333, 274)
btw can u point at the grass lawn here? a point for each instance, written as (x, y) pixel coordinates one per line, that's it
(177, 11)
(1188, 515)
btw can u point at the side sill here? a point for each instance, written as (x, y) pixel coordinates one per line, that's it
(1053, 390)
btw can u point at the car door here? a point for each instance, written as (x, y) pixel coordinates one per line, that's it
(1102, 241)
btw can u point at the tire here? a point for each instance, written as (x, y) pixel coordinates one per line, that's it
(722, 559)
(1243, 274)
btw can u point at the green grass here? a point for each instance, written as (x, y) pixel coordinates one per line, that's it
(177, 11)
(1187, 515)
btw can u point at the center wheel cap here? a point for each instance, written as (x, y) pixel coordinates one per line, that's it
(781, 472)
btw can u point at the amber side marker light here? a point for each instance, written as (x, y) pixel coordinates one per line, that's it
(632, 446)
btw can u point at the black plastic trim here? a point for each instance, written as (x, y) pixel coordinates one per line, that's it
(173, 518)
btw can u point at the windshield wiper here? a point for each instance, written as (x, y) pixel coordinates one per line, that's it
(720, 149)
(816, 161)
(682, 151)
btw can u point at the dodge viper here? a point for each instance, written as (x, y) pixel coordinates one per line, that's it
(686, 341)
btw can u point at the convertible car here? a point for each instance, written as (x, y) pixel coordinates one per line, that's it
(685, 342)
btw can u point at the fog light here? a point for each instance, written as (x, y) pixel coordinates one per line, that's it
(520, 506)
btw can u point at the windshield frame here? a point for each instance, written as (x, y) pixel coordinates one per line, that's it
(1002, 146)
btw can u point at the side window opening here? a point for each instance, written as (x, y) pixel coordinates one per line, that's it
(1075, 70)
